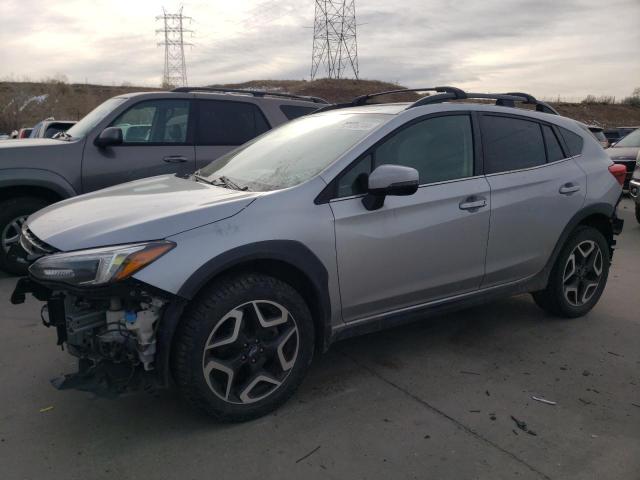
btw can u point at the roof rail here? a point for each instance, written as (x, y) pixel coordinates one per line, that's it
(502, 100)
(362, 99)
(450, 93)
(255, 93)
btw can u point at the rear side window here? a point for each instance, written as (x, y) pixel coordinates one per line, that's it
(574, 142)
(554, 150)
(511, 144)
(295, 111)
(228, 123)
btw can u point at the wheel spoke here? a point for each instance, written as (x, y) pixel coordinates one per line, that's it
(272, 321)
(588, 289)
(595, 262)
(235, 317)
(585, 248)
(285, 363)
(570, 268)
(258, 380)
(225, 369)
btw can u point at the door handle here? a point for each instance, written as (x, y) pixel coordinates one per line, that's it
(569, 188)
(175, 159)
(473, 203)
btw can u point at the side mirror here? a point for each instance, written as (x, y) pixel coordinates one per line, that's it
(389, 180)
(108, 137)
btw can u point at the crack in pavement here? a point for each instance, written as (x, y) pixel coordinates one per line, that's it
(440, 413)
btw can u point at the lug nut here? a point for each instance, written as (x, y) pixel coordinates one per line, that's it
(253, 360)
(245, 345)
(257, 341)
(244, 357)
(261, 350)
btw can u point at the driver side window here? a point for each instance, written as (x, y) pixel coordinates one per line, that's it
(439, 148)
(155, 122)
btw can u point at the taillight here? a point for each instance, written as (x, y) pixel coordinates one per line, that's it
(618, 171)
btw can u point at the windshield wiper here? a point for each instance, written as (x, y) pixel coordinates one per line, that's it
(202, 179)
(221, 181)
(227, 182)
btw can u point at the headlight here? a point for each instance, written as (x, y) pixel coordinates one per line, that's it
(98, 266)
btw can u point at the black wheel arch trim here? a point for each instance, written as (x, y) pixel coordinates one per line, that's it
(291, 252)
(605, 209)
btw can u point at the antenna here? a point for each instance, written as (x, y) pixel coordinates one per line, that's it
(175, 68)
(335, 44)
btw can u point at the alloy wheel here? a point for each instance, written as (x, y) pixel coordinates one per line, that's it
(11, 232)
(582, 273)
(250, 352)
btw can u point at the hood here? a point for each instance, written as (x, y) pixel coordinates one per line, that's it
(40, 153)
(30, 143)
(622, 153)
(148, 209)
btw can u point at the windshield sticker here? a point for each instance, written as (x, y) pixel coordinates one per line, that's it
(361, 125)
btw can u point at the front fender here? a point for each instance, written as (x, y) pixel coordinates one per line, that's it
(37, 177)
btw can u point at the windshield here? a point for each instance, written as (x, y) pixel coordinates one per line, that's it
(94, 117)
(294, 152)
(631, 140)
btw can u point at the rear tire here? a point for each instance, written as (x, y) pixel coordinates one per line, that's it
(579, 275)
(243, 347)
(13, 213)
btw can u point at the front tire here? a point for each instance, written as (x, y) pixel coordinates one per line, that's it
(243, 347)
(13, 213)
(579, 275)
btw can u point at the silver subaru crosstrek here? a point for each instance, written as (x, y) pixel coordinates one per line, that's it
(352, 219)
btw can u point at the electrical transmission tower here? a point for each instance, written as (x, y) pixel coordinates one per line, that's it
(175, 68)
(335, 43)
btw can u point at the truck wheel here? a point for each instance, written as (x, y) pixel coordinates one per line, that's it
(243, 347)
(579, 275)
(13, 213)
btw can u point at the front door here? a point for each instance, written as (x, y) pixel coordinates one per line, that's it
(418, 248)
(157, 140)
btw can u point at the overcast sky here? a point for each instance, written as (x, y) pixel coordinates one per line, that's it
(568, 48)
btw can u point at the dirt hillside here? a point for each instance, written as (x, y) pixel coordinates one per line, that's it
(23, 104)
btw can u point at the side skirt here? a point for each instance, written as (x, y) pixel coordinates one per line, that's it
(436, 307)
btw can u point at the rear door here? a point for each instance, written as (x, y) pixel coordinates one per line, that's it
(157, 139)
(536, 188)
(421, 247)
(223, 125)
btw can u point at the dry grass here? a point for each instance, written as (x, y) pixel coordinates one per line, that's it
(73, 101)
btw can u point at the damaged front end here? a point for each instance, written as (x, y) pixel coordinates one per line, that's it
(113, 335)
(105, 318)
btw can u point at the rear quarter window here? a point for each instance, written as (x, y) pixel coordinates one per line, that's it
(573, 141)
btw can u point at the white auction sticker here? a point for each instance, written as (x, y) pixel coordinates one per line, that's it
(360, 125)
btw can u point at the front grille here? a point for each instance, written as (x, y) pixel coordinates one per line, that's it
(33, 245)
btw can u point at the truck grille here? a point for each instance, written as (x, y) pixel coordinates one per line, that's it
(33, 245)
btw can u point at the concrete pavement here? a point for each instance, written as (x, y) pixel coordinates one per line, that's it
(429, 400)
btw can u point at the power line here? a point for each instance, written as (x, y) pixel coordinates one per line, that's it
(335, 45)
(175, 68)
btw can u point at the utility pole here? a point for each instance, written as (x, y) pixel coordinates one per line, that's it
(335, 45)
(175, 68)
